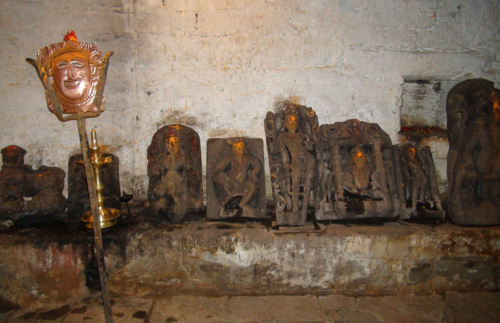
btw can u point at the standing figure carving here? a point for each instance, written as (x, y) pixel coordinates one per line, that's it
(174, 171)
(235, 185)
(418, 183)
(291, 141)
(358, 175)
(473, 112)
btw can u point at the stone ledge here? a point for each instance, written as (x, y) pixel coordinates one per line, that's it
(147, 257)
(449, 307)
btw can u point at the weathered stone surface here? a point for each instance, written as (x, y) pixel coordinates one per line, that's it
(192, 309)
(471, 307)
(123, 309)
(277, 308)
(32, 275)
(454, 307)
(424, 103)
(400, 308)
(149, 256)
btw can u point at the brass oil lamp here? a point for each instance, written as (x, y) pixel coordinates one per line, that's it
(108, 216)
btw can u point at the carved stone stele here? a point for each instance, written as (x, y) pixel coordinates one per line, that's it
(78, 192)
(292, 138)
(417, 185)
(29, 196)
(357, 172)
(175, 174)
(235, 178)
(473, 115)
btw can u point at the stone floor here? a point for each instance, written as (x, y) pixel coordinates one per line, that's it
(451, 307)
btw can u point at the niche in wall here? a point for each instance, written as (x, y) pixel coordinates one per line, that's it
(423, 120)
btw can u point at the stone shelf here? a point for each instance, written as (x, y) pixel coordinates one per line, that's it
(145, 256)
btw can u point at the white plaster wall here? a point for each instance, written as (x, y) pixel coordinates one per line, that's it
(219, 66)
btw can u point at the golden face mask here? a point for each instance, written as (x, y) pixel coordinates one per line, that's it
(74, 69)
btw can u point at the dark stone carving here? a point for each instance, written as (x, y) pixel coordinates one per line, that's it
(418, 183)
(235, 178)
(78, 192)
(29, 196)
(473, 113)
(292, 136)
(357, 173)
(174, 171)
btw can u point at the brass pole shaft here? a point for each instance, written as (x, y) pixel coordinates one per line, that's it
(96, 215)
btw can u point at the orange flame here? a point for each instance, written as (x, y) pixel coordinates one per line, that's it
(70, 36)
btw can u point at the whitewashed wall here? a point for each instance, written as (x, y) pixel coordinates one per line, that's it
(219, 66)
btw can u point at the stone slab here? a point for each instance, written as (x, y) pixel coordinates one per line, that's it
(447, 308)
(150, 257)
(277, 308)
(219, 153)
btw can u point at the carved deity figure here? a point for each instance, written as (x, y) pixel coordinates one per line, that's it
(473, 111)
(417, 172)
(174, 171)
(29, 196)
(359, 179)
(293, 163)
(237, 187)
(74, 69)
(358, 175)
(418, 183)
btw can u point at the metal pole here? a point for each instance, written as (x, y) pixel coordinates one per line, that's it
(96, 215)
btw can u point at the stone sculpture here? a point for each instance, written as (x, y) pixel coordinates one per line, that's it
(235, 178)
(473, 114)
(29, 196)
(418, 185)
(78, 192)
(357, 174)
(174, 171)
(292, 136)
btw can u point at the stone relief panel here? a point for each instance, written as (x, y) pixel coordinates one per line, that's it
(292, 139)
(235, 178)
(175, 173)
(417, 183)
(357, 172)
(473, 113)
